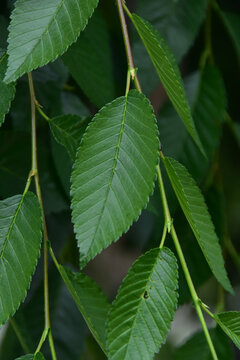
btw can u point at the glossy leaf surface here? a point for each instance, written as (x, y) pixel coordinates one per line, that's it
(141, 315)
(196, 212)
(41, 31)
(114, 172)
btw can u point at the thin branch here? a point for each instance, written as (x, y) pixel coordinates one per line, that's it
(131, 66)
(39, 195)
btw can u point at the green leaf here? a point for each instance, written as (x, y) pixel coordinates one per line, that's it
(114, 172)
(38, 356)
(7, 92)
(39, 33)
(68, 131)
(178, 22)
(197, 347)
(169, 74)
(20, 241)
(230, 323)
(207, 98)
(91, 302)
(141, 315)
(196, 212)
(92, 52)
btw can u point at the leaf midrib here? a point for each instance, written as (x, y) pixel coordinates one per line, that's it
(112, 170)
(140, 301)
(11, 226)
(42, 35)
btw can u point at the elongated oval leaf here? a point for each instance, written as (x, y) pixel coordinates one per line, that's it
(91, 302)
(113, 173)
(207, 97)
(178, 22)
(230, 323)
(41, 31)
(169, 74)
(141, 315)
(196, 212)
(20, 241)
(38, 356)
(7, 92)
(68, 131)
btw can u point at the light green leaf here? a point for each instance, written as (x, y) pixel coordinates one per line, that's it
(196, 212)
(207, 98)
(20, 241)
(197, 347)
(169, 74)
(68, 131)
(141, 315)
(91, 302)
(230, 323)
(114, 172)
(7, 92)
(38, 356)
(41, 31)
(92, 54)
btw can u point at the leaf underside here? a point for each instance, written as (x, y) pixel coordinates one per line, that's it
(196, 212)
(141, 315)
(68, 131)
(168, 72)
(7, 91)
(230, 324)
(20, 241)
(91, 302)
(114, 172)
(41, 31)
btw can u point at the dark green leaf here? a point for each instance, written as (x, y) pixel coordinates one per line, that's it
(169, 74)
(38, 356)
(68, 131)
(7, 92)
(91, 302)
(232, 23)
(20, 241)
(230, 323)
(114, 172)
(196, 212)
(92, 54)
(207, 97)
(178, 22)
(141, 315)
(40, 32)
(197, 347)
